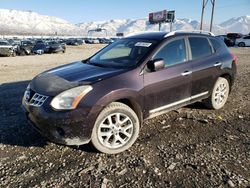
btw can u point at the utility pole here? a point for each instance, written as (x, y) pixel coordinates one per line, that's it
(204, 4)
(171, 26)
(212, 16)
(202, 12)
(160, 26)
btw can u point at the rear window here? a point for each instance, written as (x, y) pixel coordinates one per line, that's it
(216, 44)
(200, 47)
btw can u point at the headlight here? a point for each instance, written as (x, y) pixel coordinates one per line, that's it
(69, 99)
(28, 87)
(26, 95)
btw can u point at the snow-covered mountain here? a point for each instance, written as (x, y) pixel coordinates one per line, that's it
(132, 26)
(28, 22)
(31, 23)
(240, 24)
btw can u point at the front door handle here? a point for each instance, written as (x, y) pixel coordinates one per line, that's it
(217, 64)
(186, 73)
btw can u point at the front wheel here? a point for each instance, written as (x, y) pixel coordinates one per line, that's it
(115, 129)
(219, 94)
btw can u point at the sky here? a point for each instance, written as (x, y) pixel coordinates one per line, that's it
(78, 11)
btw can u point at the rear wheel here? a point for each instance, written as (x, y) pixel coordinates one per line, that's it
(219, 94)
(241, 44)
(116, 129)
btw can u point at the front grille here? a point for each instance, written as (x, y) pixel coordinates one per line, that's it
(37, 100)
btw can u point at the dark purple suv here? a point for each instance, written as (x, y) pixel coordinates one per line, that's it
(105, 98)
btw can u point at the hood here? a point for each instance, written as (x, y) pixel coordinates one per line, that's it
(59, 79)
(82, 72)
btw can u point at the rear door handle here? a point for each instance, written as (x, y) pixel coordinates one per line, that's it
(186, 73)
(217, 64)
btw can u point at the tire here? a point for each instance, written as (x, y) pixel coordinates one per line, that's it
(241, 44)
(219, 94)
(22, 53)
(14, 54)
(111, 136)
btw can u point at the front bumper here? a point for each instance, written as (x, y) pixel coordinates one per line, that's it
(63, 127)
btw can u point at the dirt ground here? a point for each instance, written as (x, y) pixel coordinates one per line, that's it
(190, 147)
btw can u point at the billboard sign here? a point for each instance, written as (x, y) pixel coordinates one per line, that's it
(170, 16)
(158, 17)
(161, 17)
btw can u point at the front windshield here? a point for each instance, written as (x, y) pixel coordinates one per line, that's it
(123, 53)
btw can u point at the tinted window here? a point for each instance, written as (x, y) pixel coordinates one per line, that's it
(173, 53)
(200, 47)
(216, 44)
(4, 43)
(248, 37)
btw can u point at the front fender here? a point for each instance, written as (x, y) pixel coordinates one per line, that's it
(135, 102)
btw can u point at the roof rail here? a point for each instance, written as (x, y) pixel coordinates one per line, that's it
(140, 32)
(185, 31)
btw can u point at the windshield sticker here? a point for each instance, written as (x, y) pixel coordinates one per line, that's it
(143, 44)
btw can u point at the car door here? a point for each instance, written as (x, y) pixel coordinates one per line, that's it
(247, 40)
(205, 66)
(170, 86)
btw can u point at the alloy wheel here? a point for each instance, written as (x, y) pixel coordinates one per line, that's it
(115, 130)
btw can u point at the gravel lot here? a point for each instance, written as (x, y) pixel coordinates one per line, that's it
(190, 147)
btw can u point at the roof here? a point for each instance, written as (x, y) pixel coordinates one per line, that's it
(159, 35)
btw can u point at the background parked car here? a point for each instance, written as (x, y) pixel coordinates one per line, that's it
(105, 41)
(6, 49)
(92, 41)
(40, 48)
(229, 42)
(55, 47)
(243, 41)
(25, 47)
(74, 42)
(48, 47)
(233, 37)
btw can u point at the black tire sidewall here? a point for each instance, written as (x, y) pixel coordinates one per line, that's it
(242, 44)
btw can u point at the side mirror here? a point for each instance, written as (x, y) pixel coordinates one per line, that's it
(156, 65)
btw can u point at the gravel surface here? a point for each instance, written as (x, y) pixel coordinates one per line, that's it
(189, 147)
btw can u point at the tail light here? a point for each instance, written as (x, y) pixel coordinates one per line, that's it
(235, 59)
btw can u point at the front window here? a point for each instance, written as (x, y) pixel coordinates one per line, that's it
(173, 53)
(123, 53)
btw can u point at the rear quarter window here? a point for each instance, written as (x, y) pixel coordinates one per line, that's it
(216, 44)
(200, 47)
